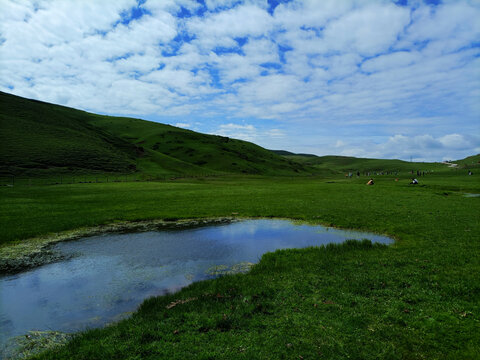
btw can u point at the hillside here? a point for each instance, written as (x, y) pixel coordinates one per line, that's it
(469, 162)
(339, 164)
(42, 139)
(39, 138)
(288, 153)
(212, 152)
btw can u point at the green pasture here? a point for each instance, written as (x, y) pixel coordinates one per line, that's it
(42, 140)
(28, 211)
(415, 299)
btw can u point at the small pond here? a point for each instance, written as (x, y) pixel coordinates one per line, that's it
(106, 277)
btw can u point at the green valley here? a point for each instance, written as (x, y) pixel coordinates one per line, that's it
(417, 298)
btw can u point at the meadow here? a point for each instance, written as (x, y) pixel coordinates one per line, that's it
(47, 141)
(417, 298)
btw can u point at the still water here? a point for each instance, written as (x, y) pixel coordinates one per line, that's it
(108, 276)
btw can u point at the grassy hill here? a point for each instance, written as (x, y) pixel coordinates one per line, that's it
(470, 162)
(212, 152)
(39, 138)
(340, 164)
(42, 139)
(288, 153)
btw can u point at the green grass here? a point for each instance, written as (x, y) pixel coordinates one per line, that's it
(211, 152)
(342, 164)
(38, 139)
(471, 162)
(415, 299)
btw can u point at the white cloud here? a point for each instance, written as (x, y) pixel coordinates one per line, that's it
(368, 30)
(219, 29)
(455, 23)
(271, 89)
(243, 132)
(455, 141)
(230, 127)
(270, 138)
(370, 68)
(393, 60)
(170, 6)
(419, 148)
(183, 125)
(275, 133)
(310, 13)
(215, 4)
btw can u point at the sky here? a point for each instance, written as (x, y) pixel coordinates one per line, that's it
(378, 79)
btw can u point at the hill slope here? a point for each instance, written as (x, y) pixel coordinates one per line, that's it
(469, 162)
(212, 152)
(338, 164)
(36, 135)
(38, 138)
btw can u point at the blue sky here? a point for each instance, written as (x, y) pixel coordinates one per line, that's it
(385, 79)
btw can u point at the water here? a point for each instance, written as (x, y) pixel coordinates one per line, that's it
(110, 275)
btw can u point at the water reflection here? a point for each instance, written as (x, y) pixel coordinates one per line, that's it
(112, 274)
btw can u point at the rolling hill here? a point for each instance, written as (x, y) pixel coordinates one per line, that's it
(42, 139)
(39, 138)
(470, 162)
(214, 153)
(340, 164)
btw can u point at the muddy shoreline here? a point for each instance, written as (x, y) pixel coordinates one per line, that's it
(30, 253)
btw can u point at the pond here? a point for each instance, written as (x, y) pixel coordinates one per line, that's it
(106, 277)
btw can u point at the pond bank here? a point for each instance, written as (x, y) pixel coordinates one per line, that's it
(30, 253)
(109, 274)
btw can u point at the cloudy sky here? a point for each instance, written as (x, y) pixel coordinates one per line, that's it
(360, 78)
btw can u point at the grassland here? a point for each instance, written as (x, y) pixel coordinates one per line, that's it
(206, 152)
(341, 164)
(42, 140)
(47, 143)
(415, 299)
(471, 162)
(36, 137)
